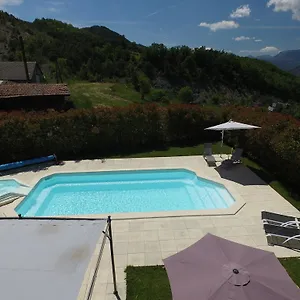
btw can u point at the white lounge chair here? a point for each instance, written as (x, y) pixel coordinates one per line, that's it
(208, 155)
(283, 236)
(280, 220)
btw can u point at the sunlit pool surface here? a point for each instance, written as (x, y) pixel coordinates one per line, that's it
(123, 191)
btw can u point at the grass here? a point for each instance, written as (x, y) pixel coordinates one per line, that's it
(87, 95)
(264, 174)
(180, 151)
(152, 283)
(277, 185)
(292, 266)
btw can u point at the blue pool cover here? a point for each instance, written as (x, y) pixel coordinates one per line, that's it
(23, 163)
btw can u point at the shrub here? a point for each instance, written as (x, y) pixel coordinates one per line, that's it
(87, 133)
(186, 95)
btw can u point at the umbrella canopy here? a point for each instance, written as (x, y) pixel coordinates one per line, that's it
(231, 125)
(218, 269)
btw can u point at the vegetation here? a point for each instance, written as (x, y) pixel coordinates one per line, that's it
(98, 54)
(123, 131)
(88, 95)
(148, 283)
(186, 95)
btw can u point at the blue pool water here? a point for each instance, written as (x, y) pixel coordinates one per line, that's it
(123, 191)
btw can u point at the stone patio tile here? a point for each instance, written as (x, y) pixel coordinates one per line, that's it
(211, 230)
(166, 254)
(231, 231)
(121, 247)
(244, 240)
(165, 235)
(120, 276)
(136, 225)
(255, 229)
(183, 244)
(164, 224)
(151, 225)
(152, 246)
(136, 236)
(177, 224)
(181, 234)
(259, 239)
(153, 259)
(120, 237)
(120, 226)
(81, 295)
(167, 246)
(150, 235)
(100, 289)
(225, 221)
(195, 233)
(121, 260)
(137, 259)
(136, 247)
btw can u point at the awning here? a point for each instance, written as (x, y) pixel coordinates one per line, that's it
(46, 259)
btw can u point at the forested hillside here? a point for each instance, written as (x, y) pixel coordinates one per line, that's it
(99, 54)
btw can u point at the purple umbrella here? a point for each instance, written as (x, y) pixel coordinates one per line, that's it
(218, 269)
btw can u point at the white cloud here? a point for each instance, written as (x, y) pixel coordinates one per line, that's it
(10, 2)
(285, 6)
(269, 49)
(53, 9)
(246, 38)
(266, 50)
(242, 38)
(220, 25)
(241, 12)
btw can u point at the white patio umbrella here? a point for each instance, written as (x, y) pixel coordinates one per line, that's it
(231, 125)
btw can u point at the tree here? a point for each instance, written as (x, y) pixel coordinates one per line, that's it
(186, 94)
(145, 86)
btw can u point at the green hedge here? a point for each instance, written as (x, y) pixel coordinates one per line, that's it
(276, 145)
(102, 132)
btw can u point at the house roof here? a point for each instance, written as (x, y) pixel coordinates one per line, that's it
(15, 71)
(32, 90)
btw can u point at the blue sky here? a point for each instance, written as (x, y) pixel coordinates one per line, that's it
(247, 27)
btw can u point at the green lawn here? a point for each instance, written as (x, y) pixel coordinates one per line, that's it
(280, 187)
(152, 283)
(87, 95)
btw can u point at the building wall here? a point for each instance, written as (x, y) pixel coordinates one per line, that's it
(35, 103)
(37, 76)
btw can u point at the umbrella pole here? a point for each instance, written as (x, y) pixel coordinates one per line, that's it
(222, 142)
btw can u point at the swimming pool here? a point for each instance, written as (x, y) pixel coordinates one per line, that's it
(123, 191)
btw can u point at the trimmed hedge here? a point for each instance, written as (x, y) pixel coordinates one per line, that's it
(102, 132)
(276, 145)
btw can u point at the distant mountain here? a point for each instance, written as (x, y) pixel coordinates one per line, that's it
(99, 54)
(295, 71)
(285, 60)
(265, 57)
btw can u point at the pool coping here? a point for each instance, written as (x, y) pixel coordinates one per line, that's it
(232, 210)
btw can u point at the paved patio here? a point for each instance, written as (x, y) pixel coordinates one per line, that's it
(146, 241)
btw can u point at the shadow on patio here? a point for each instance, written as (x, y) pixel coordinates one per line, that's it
(240, 174)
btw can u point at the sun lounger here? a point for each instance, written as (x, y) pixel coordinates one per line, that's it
(280, 220)
(236, 158)
(283, 236)
(9, 197)
(208, 155)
